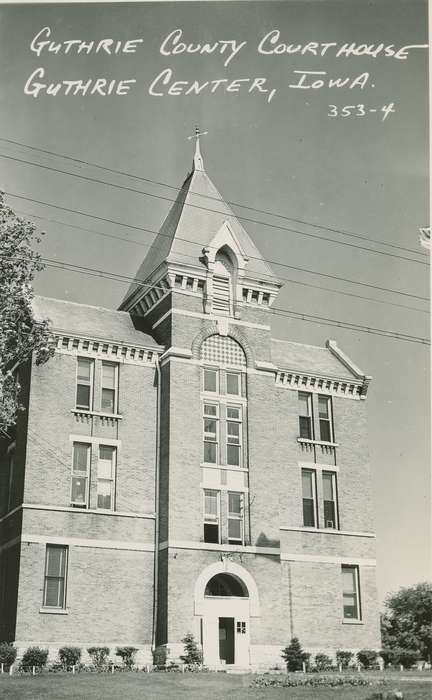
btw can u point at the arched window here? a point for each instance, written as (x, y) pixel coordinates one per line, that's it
(223, 282)
(222, 350)
(226, 585)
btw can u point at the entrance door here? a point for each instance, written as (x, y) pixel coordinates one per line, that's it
(226, 639)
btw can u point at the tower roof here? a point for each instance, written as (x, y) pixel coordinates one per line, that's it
(194, 219)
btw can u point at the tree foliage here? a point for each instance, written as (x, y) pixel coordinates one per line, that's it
(20, 334)
(192, 653)
(294, 655)
(407, 622)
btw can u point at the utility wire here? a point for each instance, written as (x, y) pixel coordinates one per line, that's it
(214, 211)
(210, 197)
(272, 262)
(277, 310)
(285, 279)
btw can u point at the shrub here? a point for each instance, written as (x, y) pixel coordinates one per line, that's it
(7, 653)
(398, 655)
(313, 681)
(323, 662)
(192, 654)
(367, 657)
(127, 654)
(99, 656)
(294, 655)
(160, 656)
(69, 656)
(344, 658)
(34, 656)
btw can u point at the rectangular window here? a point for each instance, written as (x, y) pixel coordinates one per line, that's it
(325, 418)
(84, 392)
(211, 420)
(234, 435)
(109, 387)
(106, 477)
(211, 380)
(330, 499)
(80, 474)
(305, 415)
(235, 518)
(233, 384)
(351, 593)
(55, 576)
(211, 516)
(309, 498)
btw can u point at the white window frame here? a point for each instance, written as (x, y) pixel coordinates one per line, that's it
(239, 421)
(90, 383)
(213, 370)
(116, 385)
(358, 615)
(112, 481)
(238, 517)
(308, 395)
(333, 476)
(81, 475)
(206, 435)
(65, 549)
(329, 420)
(209, 519)
(312, 472)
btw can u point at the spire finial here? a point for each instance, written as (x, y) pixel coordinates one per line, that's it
(198, 162)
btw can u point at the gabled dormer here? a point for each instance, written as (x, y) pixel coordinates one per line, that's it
(202, 251)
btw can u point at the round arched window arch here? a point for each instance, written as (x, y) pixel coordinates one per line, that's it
(226, 585)
(223, 350)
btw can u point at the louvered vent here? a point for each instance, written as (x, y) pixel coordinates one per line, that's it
(221, 295)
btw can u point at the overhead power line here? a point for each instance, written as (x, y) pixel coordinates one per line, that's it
(271, 262)
(285, 279)
(216, 211)
(278, 311)
(343, 232)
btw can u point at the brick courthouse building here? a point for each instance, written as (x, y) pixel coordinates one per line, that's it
(178, 469)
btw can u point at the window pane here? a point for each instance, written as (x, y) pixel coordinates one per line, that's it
(329, 514)
(327, 486)
(210, 452)
(210, 380)
(80, 457)
(234, 503)
(211, 533)
(108, 375)
(305, 427)
(233, 383)
(350, 608)
(210, 505)
(308, 513)
(233, 431)
(108, 400)
(323, 406)
(84, 369)
(83, 396)
(234, 529)
(348, 579)
(104, 495)
(233, 455)
(307, 484)
(55, 561)
(54, 588)
(210, 409)
(104, 469)
(210, 427)
(79, 490)
(106, 452)
(233, 412)
(325, 432)
(303, 404)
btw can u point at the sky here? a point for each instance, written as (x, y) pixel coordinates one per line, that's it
(358, 174)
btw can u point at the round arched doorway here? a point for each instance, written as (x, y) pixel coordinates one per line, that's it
(224, 600)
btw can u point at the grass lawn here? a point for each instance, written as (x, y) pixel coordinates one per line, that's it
(172, 686)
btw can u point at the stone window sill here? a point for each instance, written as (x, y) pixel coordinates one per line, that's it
(54, 611)
(352, 622)
(318, 442)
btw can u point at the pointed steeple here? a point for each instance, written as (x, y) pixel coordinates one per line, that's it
(198, 220)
